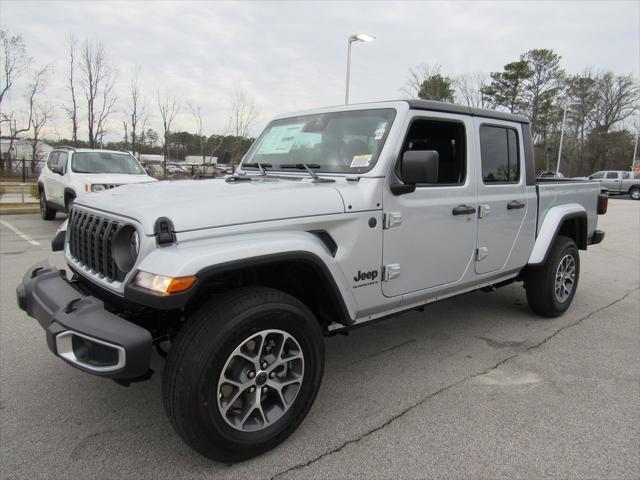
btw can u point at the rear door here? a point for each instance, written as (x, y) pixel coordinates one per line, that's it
(612, 181)
(502, 198)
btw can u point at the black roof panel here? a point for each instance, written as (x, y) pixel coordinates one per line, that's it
(464, 110)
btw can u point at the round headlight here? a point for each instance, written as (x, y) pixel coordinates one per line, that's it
(126, 245)
(97, 187)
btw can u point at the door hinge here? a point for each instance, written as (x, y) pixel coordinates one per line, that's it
(483, 210)
(391, 271)
(392, 219)
(481, 253)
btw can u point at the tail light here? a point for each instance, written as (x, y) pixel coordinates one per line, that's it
(603, 203)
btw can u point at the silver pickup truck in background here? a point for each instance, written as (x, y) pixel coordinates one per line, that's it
(336, 217)
(619, 182)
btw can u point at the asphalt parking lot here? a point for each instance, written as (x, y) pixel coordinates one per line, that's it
(473, 387)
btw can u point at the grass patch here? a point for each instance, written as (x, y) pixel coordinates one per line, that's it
(34, 191)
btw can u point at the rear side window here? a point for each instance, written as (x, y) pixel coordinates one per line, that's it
(499, 154)
(612, 175)
(625, 175)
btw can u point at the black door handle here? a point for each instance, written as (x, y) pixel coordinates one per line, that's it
(514, 205)
(463, 210)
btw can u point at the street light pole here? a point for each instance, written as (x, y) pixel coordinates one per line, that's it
(346, 93)
(358, 37)
(564, 119)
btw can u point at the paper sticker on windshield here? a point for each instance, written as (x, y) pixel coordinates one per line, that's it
(279, 139)
(379, 134)
(360, 161)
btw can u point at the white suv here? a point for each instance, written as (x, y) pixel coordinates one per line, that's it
(70, 172)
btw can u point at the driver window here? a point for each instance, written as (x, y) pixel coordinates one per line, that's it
(53, 160)
(446, 138)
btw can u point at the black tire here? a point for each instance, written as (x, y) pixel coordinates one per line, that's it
(68, 202)
(540, 281)
(200, 351)
(634, 193)
(46, 212)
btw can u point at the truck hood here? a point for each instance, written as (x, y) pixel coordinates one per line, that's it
(115, 178)
(200, 204)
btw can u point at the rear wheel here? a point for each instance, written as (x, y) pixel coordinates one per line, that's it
(243, 373)
(635, 193)
(552, 286)
(47, 213)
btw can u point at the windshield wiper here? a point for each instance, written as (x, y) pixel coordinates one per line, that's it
(260, 166)
(303, 166)
(300, 166)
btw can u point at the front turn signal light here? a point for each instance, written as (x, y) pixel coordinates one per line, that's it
(162, 284)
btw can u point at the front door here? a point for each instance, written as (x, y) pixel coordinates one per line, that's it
(429, 236)
(57, 181)
(502, 200)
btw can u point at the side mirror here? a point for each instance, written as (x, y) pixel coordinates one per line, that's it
(56, 169)
(420, 166)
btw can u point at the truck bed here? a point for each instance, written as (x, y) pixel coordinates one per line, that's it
(552, 192)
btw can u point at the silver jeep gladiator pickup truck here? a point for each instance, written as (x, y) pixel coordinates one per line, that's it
(336, 217)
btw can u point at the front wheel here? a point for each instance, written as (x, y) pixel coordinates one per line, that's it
(47, 213)
(552, 286)
(243, 373)
(635, 193)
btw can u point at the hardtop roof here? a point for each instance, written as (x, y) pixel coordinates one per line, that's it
(464, 110)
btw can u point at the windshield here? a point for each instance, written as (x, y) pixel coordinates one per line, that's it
(106, 162)
(340, 142)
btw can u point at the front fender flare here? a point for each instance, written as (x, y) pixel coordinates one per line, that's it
(213, 256)
(551, 225)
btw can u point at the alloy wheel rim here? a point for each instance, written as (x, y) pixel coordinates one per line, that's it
(565, 278)
(260, 380)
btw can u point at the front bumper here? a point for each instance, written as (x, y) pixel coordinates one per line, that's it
(80, 330)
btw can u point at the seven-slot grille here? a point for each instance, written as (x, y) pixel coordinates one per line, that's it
(90, 241)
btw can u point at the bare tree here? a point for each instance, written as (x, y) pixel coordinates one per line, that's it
(242, 117)
(196, 113)
(137, 111)
(98, 82)
(169, 108)
(72, 109)
(15, 62)
(41, 115)
(469, 89)
(35, 88)
(617, 100)
(243, 114)
(417, 76)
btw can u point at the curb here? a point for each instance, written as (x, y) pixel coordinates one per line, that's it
(13, 210)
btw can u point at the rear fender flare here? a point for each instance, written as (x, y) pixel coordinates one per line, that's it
(551, 226)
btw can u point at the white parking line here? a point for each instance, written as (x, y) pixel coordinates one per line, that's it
(22, 235)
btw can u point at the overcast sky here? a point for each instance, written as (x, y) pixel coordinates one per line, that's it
(291, 56)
